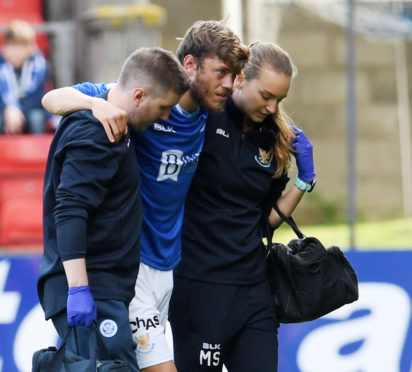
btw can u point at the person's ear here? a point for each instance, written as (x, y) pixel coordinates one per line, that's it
(190, 65)
(139, 94)
(239, 81)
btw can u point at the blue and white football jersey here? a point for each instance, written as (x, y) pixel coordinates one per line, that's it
(167, 154)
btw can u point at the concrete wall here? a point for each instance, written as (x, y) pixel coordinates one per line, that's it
(105, 32)
(181, 14)
(317, 103)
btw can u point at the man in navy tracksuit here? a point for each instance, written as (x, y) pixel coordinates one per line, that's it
(92, 209)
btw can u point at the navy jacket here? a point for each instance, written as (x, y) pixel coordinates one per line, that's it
(91, 209)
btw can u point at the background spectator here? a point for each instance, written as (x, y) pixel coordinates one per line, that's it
(23, 74)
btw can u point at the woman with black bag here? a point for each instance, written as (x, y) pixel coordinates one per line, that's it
(221, 311)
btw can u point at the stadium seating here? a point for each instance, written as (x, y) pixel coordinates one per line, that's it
(22, 165)
(22, 158)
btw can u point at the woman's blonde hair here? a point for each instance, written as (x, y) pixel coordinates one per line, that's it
(265, 54)
(281, 147)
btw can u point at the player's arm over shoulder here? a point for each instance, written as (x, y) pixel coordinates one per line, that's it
(63, 101)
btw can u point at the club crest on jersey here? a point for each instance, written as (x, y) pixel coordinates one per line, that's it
(144, 346)
(264, 158)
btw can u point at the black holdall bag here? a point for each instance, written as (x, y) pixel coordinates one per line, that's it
(307, 280)
(52, 359)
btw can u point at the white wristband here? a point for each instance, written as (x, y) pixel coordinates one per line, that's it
(304, 186)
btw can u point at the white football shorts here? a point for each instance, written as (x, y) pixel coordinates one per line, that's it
(148, 315)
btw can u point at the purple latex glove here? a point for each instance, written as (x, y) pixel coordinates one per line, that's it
(303, 151)
(81, 308)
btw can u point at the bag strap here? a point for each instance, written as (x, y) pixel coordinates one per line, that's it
(92, 347)
(58, 358)
(96, 346)
(289, 221)
(268, 231)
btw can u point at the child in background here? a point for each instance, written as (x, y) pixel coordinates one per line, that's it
(23, 73)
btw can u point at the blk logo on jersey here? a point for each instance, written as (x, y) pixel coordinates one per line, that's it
(174, 162)
(162, 128)
(265, 158)
(146, 323)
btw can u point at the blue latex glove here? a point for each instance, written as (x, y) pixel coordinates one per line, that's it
(81, 308)
(303, 151)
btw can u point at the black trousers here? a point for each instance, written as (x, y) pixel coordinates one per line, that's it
(216, 324)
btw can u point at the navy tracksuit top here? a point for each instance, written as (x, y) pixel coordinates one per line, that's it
(222, 232)
(91, 209)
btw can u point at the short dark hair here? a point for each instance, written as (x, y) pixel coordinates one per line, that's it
(213, 38)
(155, 69)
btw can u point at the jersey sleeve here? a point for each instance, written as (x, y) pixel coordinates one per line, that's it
(91, 89)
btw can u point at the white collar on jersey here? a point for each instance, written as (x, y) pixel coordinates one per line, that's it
(185, 113)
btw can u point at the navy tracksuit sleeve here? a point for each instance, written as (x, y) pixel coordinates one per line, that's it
(277, 187)
(88, 166)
